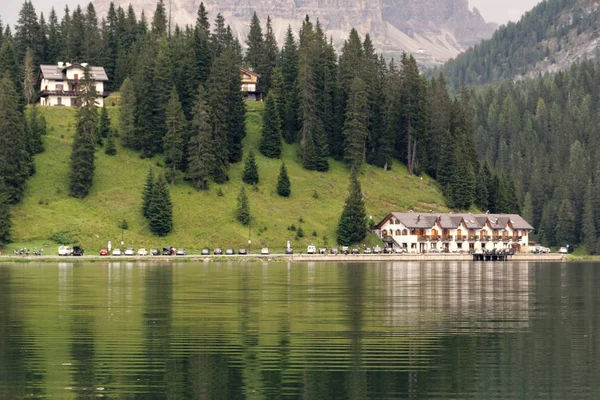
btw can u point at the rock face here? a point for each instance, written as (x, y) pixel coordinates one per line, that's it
(432, 30)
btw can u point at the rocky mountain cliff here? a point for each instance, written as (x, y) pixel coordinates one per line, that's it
(433, 30)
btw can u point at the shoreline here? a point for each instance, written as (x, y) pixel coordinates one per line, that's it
(554, 257)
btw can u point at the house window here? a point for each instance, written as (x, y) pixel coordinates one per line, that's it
(404, 232)
(76, 77)
(59, 101)
(73, 101)
(384, 232)
(397, 232)
(59, 86)
(252, 88)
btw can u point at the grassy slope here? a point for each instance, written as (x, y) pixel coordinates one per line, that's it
(200, 218)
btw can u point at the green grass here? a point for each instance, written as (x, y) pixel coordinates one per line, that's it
(201, 219)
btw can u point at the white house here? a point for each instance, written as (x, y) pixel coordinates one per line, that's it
(425, 232)
(59, 83)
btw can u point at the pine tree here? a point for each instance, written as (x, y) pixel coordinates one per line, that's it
(159, 22)
(174, 141)
(104, 127)
(352, 226)
(283, 183)
(250, 175)
(527, 208)
(242, 212)
(255, 42)
(481, 190)
(5, 215)
(82, 156)
(201, 157)
(270, 58)
(127, 114)
(14, 157)
(36, 128)
(28, 33)
(29, 78)
(147, 193)
(10, 67)
(270, 141)
(355, 126)
(565, 224)
(202, 47)
(589, 228)
(289, 71)
(110, 149)
(160, 209)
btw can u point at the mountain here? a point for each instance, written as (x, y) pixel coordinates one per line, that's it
(549, 38)
(433, 30)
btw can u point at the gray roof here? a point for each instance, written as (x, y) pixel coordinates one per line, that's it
(413, 220)
(60, 72)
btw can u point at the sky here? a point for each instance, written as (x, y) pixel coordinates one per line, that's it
(498, 11)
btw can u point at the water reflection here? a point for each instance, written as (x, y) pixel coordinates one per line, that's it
(299, 331)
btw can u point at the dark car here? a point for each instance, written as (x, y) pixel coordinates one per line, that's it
(205, 252)
(155, 252)
(289, 250)
(166, 251)
(387, 250)
(242, 251)
(78, 251)
(218, 251)
(229, 252)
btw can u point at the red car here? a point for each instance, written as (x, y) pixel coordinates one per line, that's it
(103, 252)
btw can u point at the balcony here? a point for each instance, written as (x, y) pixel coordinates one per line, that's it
(473, 238)
(461, 238)
(446, 238)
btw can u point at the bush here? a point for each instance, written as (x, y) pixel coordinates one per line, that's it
(300, 232)
(62, 238)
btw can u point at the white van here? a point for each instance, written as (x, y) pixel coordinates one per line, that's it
(311, 249)
(65, 251)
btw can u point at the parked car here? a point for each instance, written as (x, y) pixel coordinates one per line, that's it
(242, 252)
(563, 250)
(155, 252)
(218, 251)
(166, 251)
(322, 250)
(229, 252)
(311, 249)
(65, 251)
(264, 251)
(116, 252)
(289, 250)
(355, 250)
(205, 252)
(78, 251)
(180, 252)
(142, 252)
(333, 250)
(377, 250)
(103, 252)
(368, 251)
(345, 250)
(388, 250)
(129, 252)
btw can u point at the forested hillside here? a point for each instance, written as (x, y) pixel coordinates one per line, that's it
(544, 132)
(549, 38)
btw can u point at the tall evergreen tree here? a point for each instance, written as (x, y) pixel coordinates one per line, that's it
(82, 156)
(111, 148)
(147, 193)
(159, 21)
(270, 141)
(201, 158)
(36, 128)
(565, 224)
(10, 67)
(5, 215)
(284, 186)
(589, 228)
(160, 209)
(104, 126)
(289, 71)
(242, 212)
(127, 114)
(250, 175)
(174, 142)
(352, 226)
(255, 42)
(355, 125)
(270, 58)
(28, 33)
(29, 78)
(202, 46)
(14, 157)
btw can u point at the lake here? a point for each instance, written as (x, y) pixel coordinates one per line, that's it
(313, 331)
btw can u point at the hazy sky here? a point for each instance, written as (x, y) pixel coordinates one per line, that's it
(499, 11)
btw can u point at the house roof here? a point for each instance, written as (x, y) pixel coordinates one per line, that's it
(413, 220)
(249, 72)
(60, 71)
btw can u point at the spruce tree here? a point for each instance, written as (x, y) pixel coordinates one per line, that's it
(352, 226)
(36, 128)
(270, 58)
(355, 125)
(159, 21)
(283, 183)
(110, 149)
(255, 42)
(160, 209)
(29, 78)
(104, 127)
(202, 47)
(14, 156)
(5, 215)
(127, 114)
(481, 190)
(565, 224)
(28, 33)
(174, 141)
(250, 175)
(589, 228)
(289, 71)
(242, 212)
(201, 158)
(82, 156)
(147, 193)
(270, 141)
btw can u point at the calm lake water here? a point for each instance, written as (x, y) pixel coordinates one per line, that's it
(300, 331)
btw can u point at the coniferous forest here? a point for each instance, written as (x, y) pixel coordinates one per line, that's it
(528, 147)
